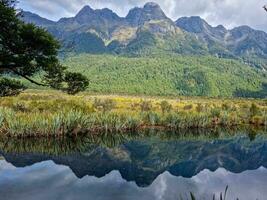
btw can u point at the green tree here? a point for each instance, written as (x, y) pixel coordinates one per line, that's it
(9, 87)
(76, 82)
(26, 50)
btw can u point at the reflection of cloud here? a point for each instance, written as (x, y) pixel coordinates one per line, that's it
(228, 12)
(161, 187)
(47, 180)
(5, 166)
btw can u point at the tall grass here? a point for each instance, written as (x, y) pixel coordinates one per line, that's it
(61, 115)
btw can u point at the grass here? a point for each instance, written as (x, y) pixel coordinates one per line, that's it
(53, 114)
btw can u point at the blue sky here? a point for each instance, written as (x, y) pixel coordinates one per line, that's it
(229, 13)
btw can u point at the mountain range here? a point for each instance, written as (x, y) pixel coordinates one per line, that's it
(148, 30)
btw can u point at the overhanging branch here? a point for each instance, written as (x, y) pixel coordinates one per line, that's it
(26, 77)
(29, 79)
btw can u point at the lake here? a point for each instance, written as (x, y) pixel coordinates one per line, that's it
(148, 165)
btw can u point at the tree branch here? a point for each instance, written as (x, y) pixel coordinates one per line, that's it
(29, 79)
(26, 77)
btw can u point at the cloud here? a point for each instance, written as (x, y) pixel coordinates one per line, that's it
(230, 13)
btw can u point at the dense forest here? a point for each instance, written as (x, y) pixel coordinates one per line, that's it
(170, 75)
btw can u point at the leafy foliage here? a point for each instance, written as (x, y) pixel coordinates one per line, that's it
(26, 49)
(76, 82)
(9, 87)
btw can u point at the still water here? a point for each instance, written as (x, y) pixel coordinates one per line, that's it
(155, 165)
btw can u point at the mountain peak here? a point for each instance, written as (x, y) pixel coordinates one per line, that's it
(193, 24)
(98, 17)
(150, 11)
(84, 11)
(151, 5)
(30, 17)
(221, 27)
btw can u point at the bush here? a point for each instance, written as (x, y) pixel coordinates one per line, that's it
(200, 108)
(215, 112)
(20, 106)
(257, 120)
(76, 82)
(254, 110)
(10, 87)
(146, 106)
(165, 107)
(106, 104)
(226, 107)
(188, 107)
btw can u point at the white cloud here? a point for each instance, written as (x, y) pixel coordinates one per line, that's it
(227, 12)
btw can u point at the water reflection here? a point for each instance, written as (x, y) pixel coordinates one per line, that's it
(146, 166)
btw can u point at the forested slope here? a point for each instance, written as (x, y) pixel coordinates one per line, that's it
(170, 75)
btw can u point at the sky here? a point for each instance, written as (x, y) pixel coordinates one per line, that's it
(230, 13)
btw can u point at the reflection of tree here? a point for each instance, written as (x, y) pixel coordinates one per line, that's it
(265, 7)
(65, 146)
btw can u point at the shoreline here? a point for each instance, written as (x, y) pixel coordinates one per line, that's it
(97, 131)
(51, 114)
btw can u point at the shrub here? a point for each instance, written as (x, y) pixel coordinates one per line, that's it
(254, 110)
(135, 106)
(2, 116)
(10, 87)
(20, 106)
(226, 106)
(188, 107)
(146, 106)
(215, 112)
(257, 120)
(76, 82)
(200, 108)
(106, 104)
(165, 107)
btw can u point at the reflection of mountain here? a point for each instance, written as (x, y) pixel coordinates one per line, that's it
(143, 161)
(47, 180)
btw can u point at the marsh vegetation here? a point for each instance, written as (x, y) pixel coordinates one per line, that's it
(49, 113)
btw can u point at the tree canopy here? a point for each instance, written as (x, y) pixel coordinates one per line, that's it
(26, 49)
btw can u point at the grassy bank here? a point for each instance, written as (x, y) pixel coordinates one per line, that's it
(49, 113)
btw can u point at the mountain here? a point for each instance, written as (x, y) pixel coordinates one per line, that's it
(151, 11)
(29, 17)
(100, 22)
(241, 41)
(144, 30)
(147, 30)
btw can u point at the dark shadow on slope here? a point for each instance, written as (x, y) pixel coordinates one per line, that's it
(252, 94)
